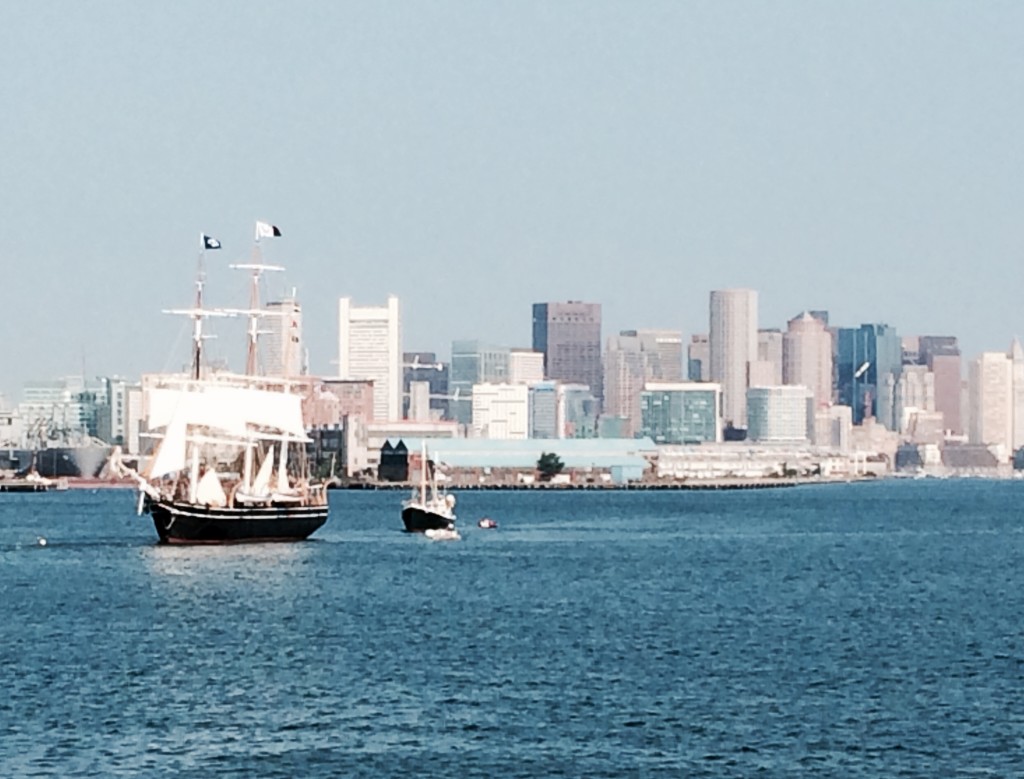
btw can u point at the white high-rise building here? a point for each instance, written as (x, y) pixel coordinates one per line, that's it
(370, 348)
(112, 420)
(525, 366)
(915, 394)
(134, 426)
(282, 343)
(833, 426)
(625, 371)
(807, 357)
(766, 370)
(732, 343)
(501, 411)
(1017, 361)
(419, 401)
(990, 388)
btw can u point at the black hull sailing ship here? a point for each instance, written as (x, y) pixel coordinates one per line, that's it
(428, 509)
(183, 523)
(202, 484)
(419, 519)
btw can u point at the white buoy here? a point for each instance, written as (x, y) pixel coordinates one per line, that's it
(42, 541)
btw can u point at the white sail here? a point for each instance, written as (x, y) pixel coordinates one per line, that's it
(283, 487)
(210, 492)
(231, 409)
(196, 408)
(261, 484)
(170, 454)
(279, 410)
(212, 424)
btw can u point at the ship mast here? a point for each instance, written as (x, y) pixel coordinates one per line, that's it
(254, 312)
(423, 472)
(257, 268)
(197, 321)
(198, 313)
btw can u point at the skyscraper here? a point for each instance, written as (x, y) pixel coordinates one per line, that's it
(990, 381)
(766, 370)
(778, 414)
(569, 334)
(525, 366)
(425, 367)
(807, 357)
(732, 343)
(681, 412)
(370, 348)
(632, 359)
(941, 353)
(501, 411)
(282, 344)
(1017, 363)
(664, 351)
(624, 372)
(577, 411)
(915, 394)
(868, 364)
(698, 358)
(474, 362)
(544, 410)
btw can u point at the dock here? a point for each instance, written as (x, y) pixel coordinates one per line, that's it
(32, 483)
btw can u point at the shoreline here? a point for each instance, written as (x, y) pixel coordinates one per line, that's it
(80, 483)
(709, 484)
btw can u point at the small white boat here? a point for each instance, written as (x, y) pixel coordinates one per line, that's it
(442, 534)
(487, 523)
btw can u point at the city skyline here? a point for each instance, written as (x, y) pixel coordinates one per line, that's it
(475, 159)
(226, 347)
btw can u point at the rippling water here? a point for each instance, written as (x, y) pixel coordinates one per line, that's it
(857, 630)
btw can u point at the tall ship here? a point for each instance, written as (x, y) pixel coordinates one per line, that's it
(229, 465)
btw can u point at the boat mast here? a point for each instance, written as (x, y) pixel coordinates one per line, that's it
(423, 472)
(197, 314)
(257, 267)
(197, 318)
(197, 356)
(254, 312)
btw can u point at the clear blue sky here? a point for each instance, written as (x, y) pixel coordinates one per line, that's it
(475, 158)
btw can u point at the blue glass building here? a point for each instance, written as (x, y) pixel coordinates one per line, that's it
(681, 413)
(866, 357)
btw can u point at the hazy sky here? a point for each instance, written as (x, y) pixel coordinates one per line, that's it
(476, 157)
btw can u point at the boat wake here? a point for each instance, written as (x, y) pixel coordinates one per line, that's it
(442, 534)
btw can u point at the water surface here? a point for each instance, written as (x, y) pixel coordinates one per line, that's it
(849, 630)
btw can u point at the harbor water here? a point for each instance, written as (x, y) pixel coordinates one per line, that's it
(859, 630)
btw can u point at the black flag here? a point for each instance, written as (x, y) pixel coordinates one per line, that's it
(210, 243)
